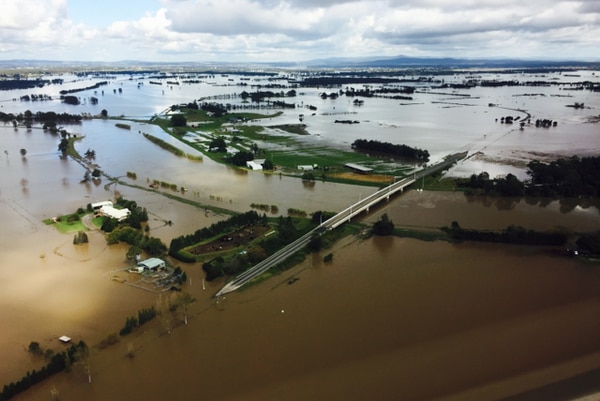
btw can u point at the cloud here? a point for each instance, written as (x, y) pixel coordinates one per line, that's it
(282, 30)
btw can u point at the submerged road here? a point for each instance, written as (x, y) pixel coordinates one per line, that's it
(340, 218)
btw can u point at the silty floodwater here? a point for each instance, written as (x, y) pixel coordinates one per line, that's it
(51, 288)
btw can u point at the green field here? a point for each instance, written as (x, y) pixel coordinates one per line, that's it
(285, 145)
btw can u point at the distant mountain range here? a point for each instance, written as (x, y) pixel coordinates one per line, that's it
(334, 62)
(445, 62)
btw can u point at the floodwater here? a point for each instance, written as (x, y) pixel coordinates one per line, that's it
(390, 318)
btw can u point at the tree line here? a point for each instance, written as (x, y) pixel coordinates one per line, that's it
(404, 151)
(571, 177)
(57, 363)
(510, 235)
(286, 232)
(234, 222)
(11, 84)
(40, 117)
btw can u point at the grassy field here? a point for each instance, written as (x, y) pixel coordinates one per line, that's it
(285, 145)
(66, 224)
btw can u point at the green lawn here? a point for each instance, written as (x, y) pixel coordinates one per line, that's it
(66, 224)
(282, 144)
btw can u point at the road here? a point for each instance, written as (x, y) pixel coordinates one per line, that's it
(345, 215)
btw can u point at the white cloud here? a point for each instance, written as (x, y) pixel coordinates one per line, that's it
(232, 30)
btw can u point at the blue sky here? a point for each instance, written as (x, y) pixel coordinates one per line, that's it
(297, 30)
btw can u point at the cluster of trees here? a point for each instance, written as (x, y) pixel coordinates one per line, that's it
(41, 117)
(218, 145)
(260, 95)
(178, 120)
(346, 80)
(70, 99)
(286, 233)
(240, 158)
(481, 184)
(129, 231)
(368, 92)
(510, 235)
(545, 123)
(589, 243)
(138, 214)
(144, 315)
(153, 246)
(217, 109)
(35, 97)
(565, 178)
(57, 363)
(231, 224)
(404, 151)
(80, 238)
(383, 226)
(11, 84)
(95, 86)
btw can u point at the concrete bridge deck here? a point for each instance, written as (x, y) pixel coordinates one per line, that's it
(363, 205)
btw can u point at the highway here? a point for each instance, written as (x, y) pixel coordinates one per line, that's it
(335, 221)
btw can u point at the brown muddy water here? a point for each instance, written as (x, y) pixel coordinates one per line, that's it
(389, 319)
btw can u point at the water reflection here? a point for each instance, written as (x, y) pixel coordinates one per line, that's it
(501, 203)
(567, 205)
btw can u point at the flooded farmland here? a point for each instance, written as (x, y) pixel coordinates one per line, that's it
(390, 318)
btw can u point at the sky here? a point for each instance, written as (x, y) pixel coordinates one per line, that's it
(297, 30)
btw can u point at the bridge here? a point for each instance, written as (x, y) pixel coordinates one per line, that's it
(363, 205)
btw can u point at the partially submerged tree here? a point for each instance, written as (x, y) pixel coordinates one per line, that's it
(383, 226)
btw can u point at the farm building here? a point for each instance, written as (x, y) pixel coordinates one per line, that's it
(152, 264)
(358, 168)
(119, 214)
(255, 164)
(99, 205)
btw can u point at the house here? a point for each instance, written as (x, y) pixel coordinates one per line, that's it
(255, 164)
(64, 339)
(152, 264)
(119, 214)
(358, 168)
(99, 205)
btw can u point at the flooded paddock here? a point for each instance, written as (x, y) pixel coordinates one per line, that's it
(389, 317)
(442, 321)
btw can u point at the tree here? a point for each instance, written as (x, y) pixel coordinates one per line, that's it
(90, 154)
(241, 157)
(133, 251)
(34, 348)
(80, 238)
(63, 145)
(308, 176)
(315, 244)
(23, 152)
(218, 145)
(178, 120)
(383, 226)
(104, 113)
(268, 165)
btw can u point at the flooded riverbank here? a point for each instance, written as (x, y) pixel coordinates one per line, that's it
(444, 321)
(388, 317)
